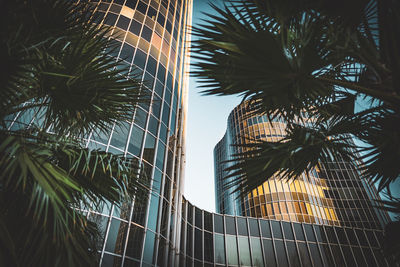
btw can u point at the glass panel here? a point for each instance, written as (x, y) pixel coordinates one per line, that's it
(348, 256)
(303, 252)
(148, 152)
(242, 226)
(331, 235)
(230, 225)
(219, 249)
(281, 253)
(253, 225)
(135, 242)
(337, 255)
(218, 224)
(316, 257)
(299, 232)
(160, 155)
(265, 230)
(309, 233)
(341, 236)
(244, 251)
(113, 233)
(359, 257)
(269, 253)
(153, 212)
(231, 247)
(351, 236)
(208, 247)
(149, 247)
(208, 221)
(327, 256)
(198, 218)
(370, 257)
(198, 244)
(287, 229)
(361, 237)
(136, 140)
(292, 254)
(108, 260)
(256, 252)
(276, 229)
(320, 234)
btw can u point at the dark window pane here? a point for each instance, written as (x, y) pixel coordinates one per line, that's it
(352, 236)
(231, 247)
(253, 225)
(110, 19)
(309, 232)
(165, 114)
(136, 140)
(244, 251)
(320, 234)
(359, 257)
(218, 224)
(135, 242)
(153, 125)
(361, 237)
(127, 52)
(147, 33)
(341, 236)
(157, 180)
(292, 254)
(331, 235)
(159, 88)
(160, 155)
(265, 230)
(148, 151)
(327, 256)
(199, 218)
(348, 256)
(151, 12)
(208, 247)
(276, 229)
(140, 59)
(161, 73)
(287, 229)
(299, 232)
(163, 133)
(337, 255)
(369, 257)
(135, 27)
(316, 257)
(151, 66)
(281, 253)
(161, 19)
(303, 253)
(198, 244)
(208, 221)
(156, 106)
(242, 226)
(219, 249)
(269, 253)
(131, 3)
(120, 135)
(371, 238)
(230, 225)
(142, 7)
(123, 22)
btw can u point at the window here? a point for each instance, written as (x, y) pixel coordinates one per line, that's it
(230, 225)
(276, 229)
(244, 251)
(231, 250)
(242, 226)
(253, 225)
(123, 22)
(218, 224)
(265, 230)
(149, 247)
(269, 253)
(219, 249)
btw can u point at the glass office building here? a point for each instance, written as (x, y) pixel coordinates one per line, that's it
(315, 222)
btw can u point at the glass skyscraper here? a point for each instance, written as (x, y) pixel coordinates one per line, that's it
(312, 222)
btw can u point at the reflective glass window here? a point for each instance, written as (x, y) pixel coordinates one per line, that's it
(142, 7)
(371, 238)
(269, 253)
(149, 247)
(208, 247)
(147, 33)
(148, 151)
(331, 235)
(351, 236)
(231, 250)
(320, 234)
(369, 256)
(256, 252)
(281, 253)
(135, 27)
(337, 255)
(208, 221)
(110, 19)
(242, 226)
(341, 236)
(161, 73)
(219, 249)
(151, 66)
(163, 133)
(160, 155)
(123, 22)
(153, 212)
(198, 217)
(109, 260)
(327, 256)
(218, 224)
(265, 230)
(131, 3)
(198, 244)
(299, 232)
(119, 135)
(127, 52)
(157, 181)
(315, 255)
(359, 256)
(244, 251)
(361, 237)
(303, 253)
(287, 229)
(276, 229)
(140, 117)
(116, 229)
(348, 256)
(135, 242)
(159, 88)
(230, 225)
(153, 125)
(140, 59)
(136, 140)
(309, 232)
(292, 253)
(253, 226)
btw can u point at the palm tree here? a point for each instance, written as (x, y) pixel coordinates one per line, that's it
(57, 86)
(309, 58)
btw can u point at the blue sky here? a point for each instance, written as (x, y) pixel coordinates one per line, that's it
(206, 125)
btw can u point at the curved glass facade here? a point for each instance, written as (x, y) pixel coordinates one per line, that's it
(335, 195)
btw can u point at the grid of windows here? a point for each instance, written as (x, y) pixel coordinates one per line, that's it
(334, 195)
(223, 240)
